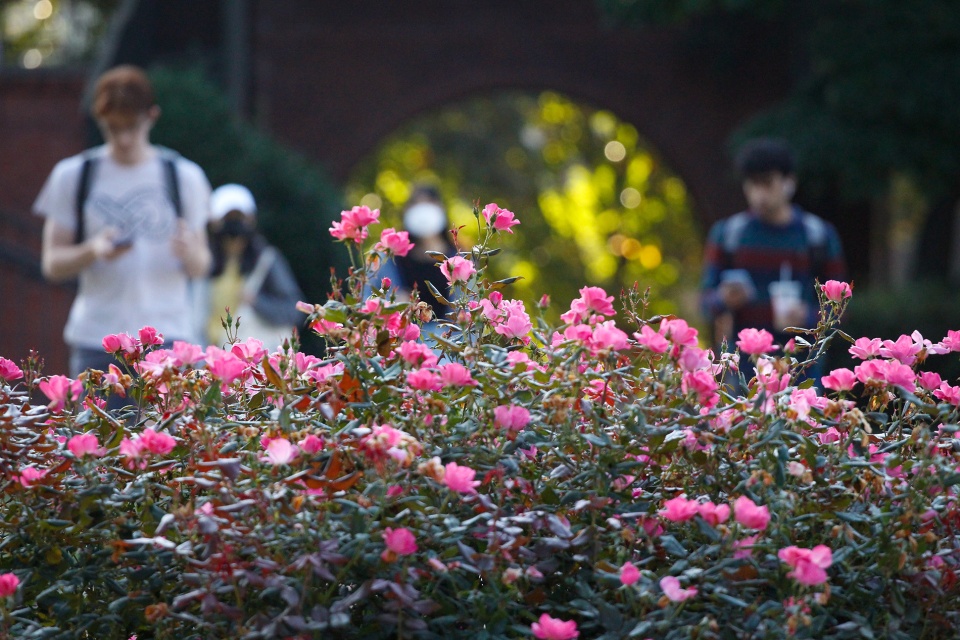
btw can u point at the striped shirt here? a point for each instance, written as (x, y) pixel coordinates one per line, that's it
(765, 251)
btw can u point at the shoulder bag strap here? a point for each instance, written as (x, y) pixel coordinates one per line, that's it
(259, 274)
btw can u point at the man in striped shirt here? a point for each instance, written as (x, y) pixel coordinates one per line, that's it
(772, 241)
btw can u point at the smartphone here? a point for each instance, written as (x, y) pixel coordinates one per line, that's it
(123, 242)
(740, 277)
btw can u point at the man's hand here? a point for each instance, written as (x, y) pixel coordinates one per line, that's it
(105, 247)
(190, 246)
(733, 294)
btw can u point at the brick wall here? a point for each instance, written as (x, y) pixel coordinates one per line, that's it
(40, 123)
(333, 79)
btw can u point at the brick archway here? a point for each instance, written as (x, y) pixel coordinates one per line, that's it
(334, 80)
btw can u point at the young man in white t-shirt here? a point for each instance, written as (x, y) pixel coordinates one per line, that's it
(128, 218)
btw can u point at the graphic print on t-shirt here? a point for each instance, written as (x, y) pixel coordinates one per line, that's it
(144, 213)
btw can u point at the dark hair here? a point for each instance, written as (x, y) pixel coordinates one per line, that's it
(425, 192)
(125, 90)
(765, 155)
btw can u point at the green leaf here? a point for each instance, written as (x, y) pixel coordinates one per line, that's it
(672, 546)
(117, 605)
(737, 602)
(436, 293)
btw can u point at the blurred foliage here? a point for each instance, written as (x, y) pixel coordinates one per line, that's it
(876, 91)
(597, 205)
(35, 33)
(296, 201)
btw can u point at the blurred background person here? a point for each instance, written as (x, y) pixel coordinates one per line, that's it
(425, 219)
(760, 264)
(249, 277)
(128, 219)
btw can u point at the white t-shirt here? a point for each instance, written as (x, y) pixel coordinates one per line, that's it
(148, 284)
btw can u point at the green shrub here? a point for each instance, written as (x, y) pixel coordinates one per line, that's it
(516, 479)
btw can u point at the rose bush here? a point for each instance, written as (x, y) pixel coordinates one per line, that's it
(508, 479)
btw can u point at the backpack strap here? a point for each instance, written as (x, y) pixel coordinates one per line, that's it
(816, 230)
(169, 159)
(83, 190)
(732, 233)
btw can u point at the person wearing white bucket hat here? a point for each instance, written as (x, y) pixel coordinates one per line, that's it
(249, 277)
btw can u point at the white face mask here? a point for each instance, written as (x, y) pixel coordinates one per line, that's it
(424, 219)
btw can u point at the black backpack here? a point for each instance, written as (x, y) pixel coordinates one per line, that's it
(88, 169)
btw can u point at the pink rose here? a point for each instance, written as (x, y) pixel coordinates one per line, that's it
(829, 436)
(929, 380)
(9, 372)
(499, 219)
(952, 341)
(679, 332)
(60, 390)
(948, 393)
(517, 323)
(671, 589)
(899, 374)
(755, 341)
(424, 380)
(455, 374)
(744, 548)
(400, 542)
(629, 574)
(651, 340)
(394, 242)
(157, 443)
(607, 336)
(417, 354)
(85, 444)
(864, 348)
(840, 380)
(186, 353)
(511, 417)
(279, 451)
(592, 300)
(224, 365)
(353, 224)
(836, 291)
(703, 383)
(457, 269)
(120, 342)
(904, 349)
(460, 479)
(311, 444)
(250, 350)
(547, 628)
(808, 564)
(749, 514)
(714, 514)
(150, 337)
(132, 451)
(680, 509)
(8, 585)
(29, 476)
